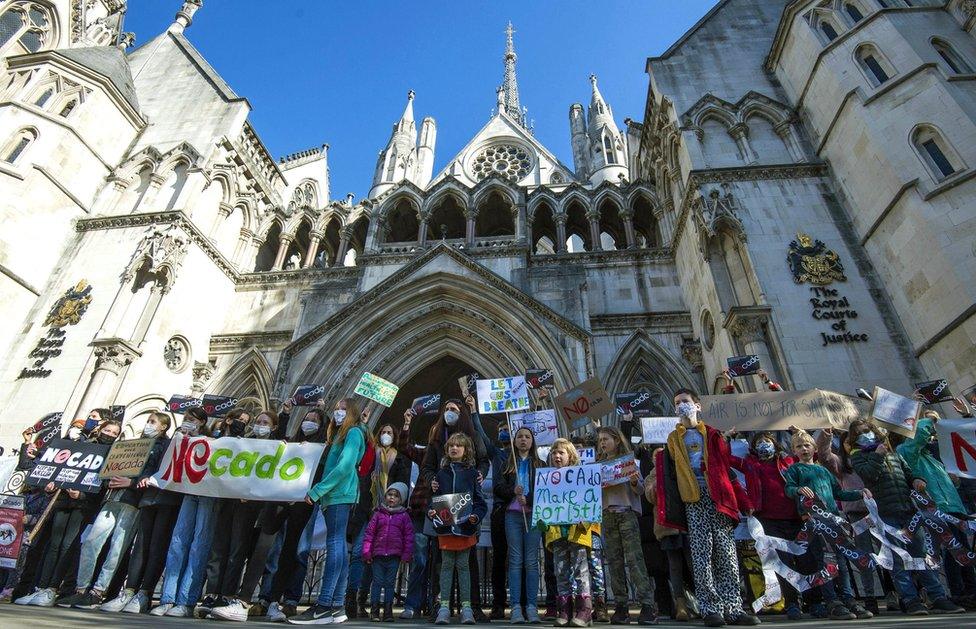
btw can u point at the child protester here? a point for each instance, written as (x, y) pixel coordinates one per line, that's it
(569, 544)
(458, 475)
(621, 506)
(811, 480)
(387, 543)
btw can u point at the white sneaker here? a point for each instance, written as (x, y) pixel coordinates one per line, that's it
(138, 604)
(275, 614)
(235, 610)
(118, 603)
(406, 614)
(44, 598)
(27, 598)
(161, 609)
(339, 615)
(178, 611)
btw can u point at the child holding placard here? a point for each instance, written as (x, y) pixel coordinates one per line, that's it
(569, 544)
(621, 506)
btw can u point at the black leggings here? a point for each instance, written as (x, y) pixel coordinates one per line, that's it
(65, 529)
(220, 548)
(295, 521)
(156, 524)
(242, 536)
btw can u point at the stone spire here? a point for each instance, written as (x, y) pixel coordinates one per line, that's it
(406, 122)
(510, 86)
(184, 17)
(600, 113)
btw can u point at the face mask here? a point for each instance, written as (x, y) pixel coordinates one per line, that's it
(216, 433)
(90, 424)
(866, 439)
(150, 430)
(262, 431)
(338, 416)
(765, 449)
(386, 440)
(687, 409)
(74, 433)
(236, 429)
(451, 417)
(503, 436)
(105, 439)
(309, 427)
(189, 427)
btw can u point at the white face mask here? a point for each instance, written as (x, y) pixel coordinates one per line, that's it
(150, 430)
(261, 431)
(338, 416)
(386, 440)
(74, 432)
(451, 417)
(188, 427)
(687, 409)
(309, 427)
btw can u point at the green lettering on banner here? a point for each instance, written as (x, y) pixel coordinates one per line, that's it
(217, 454)
(243, 463)
(267, 464)
(297, 465)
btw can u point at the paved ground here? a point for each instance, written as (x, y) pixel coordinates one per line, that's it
(15, 617)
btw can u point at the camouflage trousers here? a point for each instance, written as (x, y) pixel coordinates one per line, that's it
(572, 570)
(621, 540)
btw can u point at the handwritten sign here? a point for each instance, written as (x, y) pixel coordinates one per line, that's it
(957, 446)
(777, 410)
(587, 455)
(619, 470)
(11, 529)
(69, 465)
(126, 458)
(377, 389)
(542, 424)
(897, 412)
(584, 403)
(501, 395)
(657, 429)
(567, 495)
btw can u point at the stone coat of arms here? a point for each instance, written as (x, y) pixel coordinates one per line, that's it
(69, 309)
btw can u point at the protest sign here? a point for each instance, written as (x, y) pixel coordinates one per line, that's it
(426, 404)
(246, 469)
(539, 378)
(743, 365)
(637, 404)
(502, 395)
(957, 445)
(934, 391)
(777, 410)
(657, 429)
(619, 470)
(69, 465)
(218, 405)
(567, 495)
(542, 424)
(15, 482)
(897, 412)
(118, 412)
(182, 403)
(127, 458)
(308, 394)
(584, 403)
(468, 383)
(450, 511)
(377, 389)
(45, 429)
(970, 396)
(11, 529)
(587, 455)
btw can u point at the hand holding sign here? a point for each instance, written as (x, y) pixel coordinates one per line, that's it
(933, 391)
(742, 365)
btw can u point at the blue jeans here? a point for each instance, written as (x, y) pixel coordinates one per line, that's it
(189, 549)
(929, 579)
(840, 586)
(360, 573)
(336, 570)
(271, 565)
(418, 570)
(384, 578)
(523, 554)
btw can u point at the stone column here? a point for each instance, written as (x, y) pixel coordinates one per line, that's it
(149, 197)
(344, 236)
(222, 213)
(560, 233)
(628, 218)
(112, 357)
(740, 133)
(518, 215)
(747, 325)
(469, 224)
(594, 217)
(787, 133)
(422, 230)
(315, 238)
(282, 252)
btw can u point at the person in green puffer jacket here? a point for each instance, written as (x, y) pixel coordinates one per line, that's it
(930, 469)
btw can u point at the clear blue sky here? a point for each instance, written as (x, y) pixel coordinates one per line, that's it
(338, 72)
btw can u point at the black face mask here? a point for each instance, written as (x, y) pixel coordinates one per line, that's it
(105, 440)
(236, 429)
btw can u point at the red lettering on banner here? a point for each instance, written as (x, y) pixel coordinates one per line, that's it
(580, 407)
(187, 460)
(959, 446)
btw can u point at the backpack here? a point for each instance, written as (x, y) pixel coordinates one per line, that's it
(369, 459)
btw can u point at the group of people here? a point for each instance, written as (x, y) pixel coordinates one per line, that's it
(670, 537)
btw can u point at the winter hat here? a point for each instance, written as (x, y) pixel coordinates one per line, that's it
(401, 489)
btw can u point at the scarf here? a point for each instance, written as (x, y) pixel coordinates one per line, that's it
(384, 461)
(687, 483)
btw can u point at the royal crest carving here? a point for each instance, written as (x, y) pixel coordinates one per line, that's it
(69, 309)
(811, 261)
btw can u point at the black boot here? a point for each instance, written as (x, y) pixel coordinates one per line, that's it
(374, 613)
(388, 612)
(351, 604)
(363, 594)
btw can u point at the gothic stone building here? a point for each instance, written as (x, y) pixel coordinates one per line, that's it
(801, 187)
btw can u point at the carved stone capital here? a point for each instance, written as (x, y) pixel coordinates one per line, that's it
(748, 323)
(202, 374)
(739, 131)
(114, 354)
(691, 350)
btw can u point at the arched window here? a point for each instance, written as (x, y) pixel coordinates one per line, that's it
(18, 145)
(828, 30)
(952, 59)
(875, 67)
(936, 153)
(68, 108)
(27, 26)
(44, 97)
(854, 12)
(608, 150)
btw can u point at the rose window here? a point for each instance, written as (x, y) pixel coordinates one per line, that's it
(509, 161)
(176, 354)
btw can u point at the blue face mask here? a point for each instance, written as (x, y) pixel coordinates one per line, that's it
(765, 449)
(451, 417)
(866, 439)
(503, 435)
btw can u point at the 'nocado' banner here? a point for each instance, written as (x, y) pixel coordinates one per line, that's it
(246, 469)
(70, 465)
(218, 405)
(182, 403)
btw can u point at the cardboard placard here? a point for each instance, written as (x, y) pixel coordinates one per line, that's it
(567, 495)
(46, 428)
(182, 403)
(896, 412)
(637, 404)
(970, 396)
(218, 405)
(70, 465)
(539, 378)
(468, 384)
(426, 404)
(542, 424)
(308, 394)
(743, 365)
(934, 391)
(502, 395)
(127, 458)
(584, 403)
(618, 471)
(657, 429)
(777, 410)
(450, 510)
(957, 446)
(11, 529)
(381, 391)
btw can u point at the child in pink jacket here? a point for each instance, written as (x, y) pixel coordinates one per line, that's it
(387, 542)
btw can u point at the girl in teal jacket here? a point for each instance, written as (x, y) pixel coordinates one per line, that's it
(930, 469)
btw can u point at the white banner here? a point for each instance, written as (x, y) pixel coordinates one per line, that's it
(657, 429)
(567, 495)
(542, 424)
(231, 467)
(501, 395)
(957, 445)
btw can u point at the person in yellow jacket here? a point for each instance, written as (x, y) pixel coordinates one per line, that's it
(569, 544)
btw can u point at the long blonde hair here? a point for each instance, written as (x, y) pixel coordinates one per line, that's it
(568, 447)
(352, 420)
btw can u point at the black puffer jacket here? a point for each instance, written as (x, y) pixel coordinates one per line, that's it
(889, 478)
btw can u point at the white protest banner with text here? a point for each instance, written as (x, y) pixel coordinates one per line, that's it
(567, 495)
(381, 391)
(542, 424)
(246, 469)
(619, 470)
(657, 429)
(957, 446)
(502, 395)
(896, 411)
